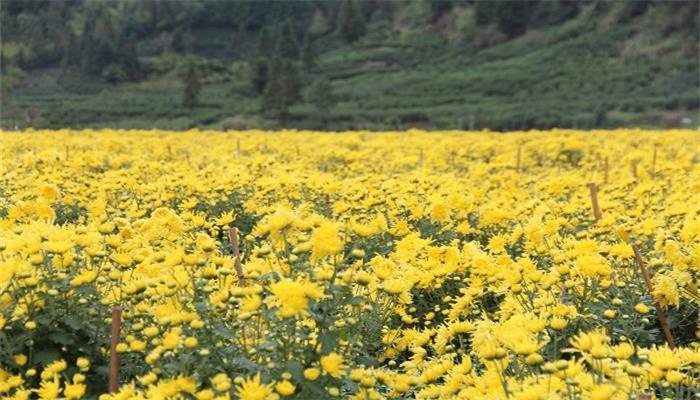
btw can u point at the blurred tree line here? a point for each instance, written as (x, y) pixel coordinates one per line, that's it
(279, 41)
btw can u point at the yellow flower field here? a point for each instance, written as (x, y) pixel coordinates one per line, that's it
(453, 265)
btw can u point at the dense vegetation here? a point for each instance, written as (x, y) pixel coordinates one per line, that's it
(340, 65)
(387, 266)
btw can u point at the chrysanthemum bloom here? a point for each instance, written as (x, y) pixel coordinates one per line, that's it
(293, 296)
(333, 365)
(325, 241)
(253, 389)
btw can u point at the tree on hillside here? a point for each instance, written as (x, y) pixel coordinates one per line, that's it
(320, 94)
(282, 90)
(308, 55)
(286, 45)
(350, 22)
(263, 48)
(192, 87)
(511, 17)
(259, 71)
(319, 24)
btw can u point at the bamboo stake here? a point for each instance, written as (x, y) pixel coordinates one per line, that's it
(233, 238)
(113, 355)
(659, 311)
(329, 207)
(593, 189)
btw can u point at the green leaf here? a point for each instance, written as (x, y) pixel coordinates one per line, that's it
(356, 300)
(73, 321)
(329, 341)
(63, 338)
(224, 332)
(295, 368)
(46, 356)
(246, 364)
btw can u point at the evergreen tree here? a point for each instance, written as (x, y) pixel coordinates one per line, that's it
(259, 65)
(351, 24)
(286, 45)
(263, 47)
(319, 24)
(320, 94)
(192, 88)
(283, 89)
(308, 55)
(259, 74)
(511, 17)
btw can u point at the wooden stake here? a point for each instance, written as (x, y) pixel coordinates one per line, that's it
(420, 158)
(634, 169)
(113, 355)
(238, 148)
(517, 159)
(659, 311)
(233, 238)
(594, 201)
(329, 207)
(605, 178)
(653, 162)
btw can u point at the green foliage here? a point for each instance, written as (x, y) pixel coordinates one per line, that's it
(320, 94)
(511, 17)
(259, 74)
(351, 25)
(263, 48)
(286, 45)
(282, 90)
(308, 52)
(319, 24)
(192, 88)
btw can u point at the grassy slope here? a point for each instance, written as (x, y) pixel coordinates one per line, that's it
(562, 76)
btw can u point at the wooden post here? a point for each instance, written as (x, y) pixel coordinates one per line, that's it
(420, 158)
(659, 311)
(233, 237)
(605, 177)
(594, 201)
(113, 355)
(653, 162)
(238, 148)
(634, 169)
(329, 207)
(517, 159)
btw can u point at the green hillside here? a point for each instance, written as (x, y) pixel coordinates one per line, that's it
(461, 64)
